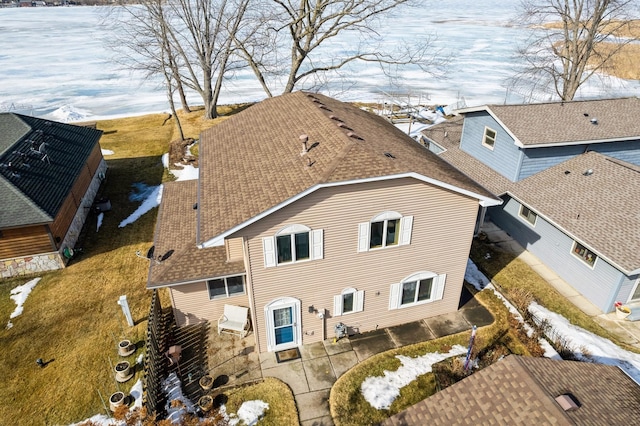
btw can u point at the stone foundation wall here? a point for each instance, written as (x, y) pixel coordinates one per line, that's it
(30, 264)
(83, 211)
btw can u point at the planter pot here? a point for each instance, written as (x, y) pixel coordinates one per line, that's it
(116, 400)
(123, 371)
(205, 402)
(126, 348)
(206, 382)
(622, 312)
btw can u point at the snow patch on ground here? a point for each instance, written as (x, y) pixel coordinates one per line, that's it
(99, 221)
(249, 413)
(19, 295)
(473, 276)
(107, 152)
(380, 392)
(172, 387)
(152, 197)
(188, 172)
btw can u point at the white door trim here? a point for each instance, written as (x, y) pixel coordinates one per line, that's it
(284, 302)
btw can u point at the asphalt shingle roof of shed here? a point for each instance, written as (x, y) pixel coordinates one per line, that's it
(567, 122)
(175, 239)
(522, 391)
(252, 161)
(33, 190)
(600, 209)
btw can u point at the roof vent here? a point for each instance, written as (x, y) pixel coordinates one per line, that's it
(588, 172)
(389, 155)
(568, 402)
(333, 117)
(586, 114)
(324, 107)
(354, 136)
(304, 139)
(594, 121)
(344, 126)
(567, 172)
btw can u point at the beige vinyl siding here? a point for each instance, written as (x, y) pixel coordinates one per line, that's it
(235, 250)
(442, 231)
(194, 299)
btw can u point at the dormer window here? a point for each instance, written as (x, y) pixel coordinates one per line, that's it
(489, 138)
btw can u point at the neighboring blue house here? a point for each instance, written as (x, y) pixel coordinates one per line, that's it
(569, 176)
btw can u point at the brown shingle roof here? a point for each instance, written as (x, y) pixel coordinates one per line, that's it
(566, 122)
(176, 234)
(600, 209)
(252, 162)
(522, 391)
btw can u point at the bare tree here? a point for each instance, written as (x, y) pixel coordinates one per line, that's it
(189, 41)
(287, 37)
(572, 40)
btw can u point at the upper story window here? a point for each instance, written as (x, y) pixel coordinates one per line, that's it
(584, 254)
(225, 287)
(489, 138)
(527, 214)
(385, 230)
(350, 300)
(419, 288)
(293, 243)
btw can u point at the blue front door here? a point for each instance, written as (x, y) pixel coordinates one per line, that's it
(283, 325)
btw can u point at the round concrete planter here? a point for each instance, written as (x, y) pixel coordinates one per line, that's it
(205, 402)
(116, 400)
(206, 382)
(126, 348)
(123, 371)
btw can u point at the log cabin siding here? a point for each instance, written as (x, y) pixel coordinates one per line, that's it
(191, 304)
(94, 160)
(442, 231)
(26, 241)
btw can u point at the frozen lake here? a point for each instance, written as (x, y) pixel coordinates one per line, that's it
(54, 63)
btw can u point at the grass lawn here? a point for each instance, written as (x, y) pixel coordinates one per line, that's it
(72, 318)
(282, 408)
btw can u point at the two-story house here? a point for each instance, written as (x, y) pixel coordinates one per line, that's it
(50, 173)
(313, 212)
(569, 176)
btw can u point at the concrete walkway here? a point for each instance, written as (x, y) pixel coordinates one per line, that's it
(626, 331)
(311, 376)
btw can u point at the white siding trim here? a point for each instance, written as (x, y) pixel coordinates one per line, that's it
(269, 249)
(406, 224)
(363, 236)
(317, 244)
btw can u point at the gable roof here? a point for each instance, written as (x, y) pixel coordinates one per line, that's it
(522, 390)
(567, 123)
(599, 207)
(253, 161)
(33, 187)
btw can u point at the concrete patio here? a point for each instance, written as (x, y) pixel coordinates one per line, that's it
(234, 361)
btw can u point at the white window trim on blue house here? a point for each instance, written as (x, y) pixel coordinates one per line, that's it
(486, 137)
(582, 259)
(526, 218)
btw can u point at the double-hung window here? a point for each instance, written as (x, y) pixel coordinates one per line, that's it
(293, 243)
(225, 287)
(350, 300)
(489, 138)
(387, 229)
(419, 288)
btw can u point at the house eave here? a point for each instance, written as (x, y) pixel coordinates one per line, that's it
(580, 142)
(218, 240)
